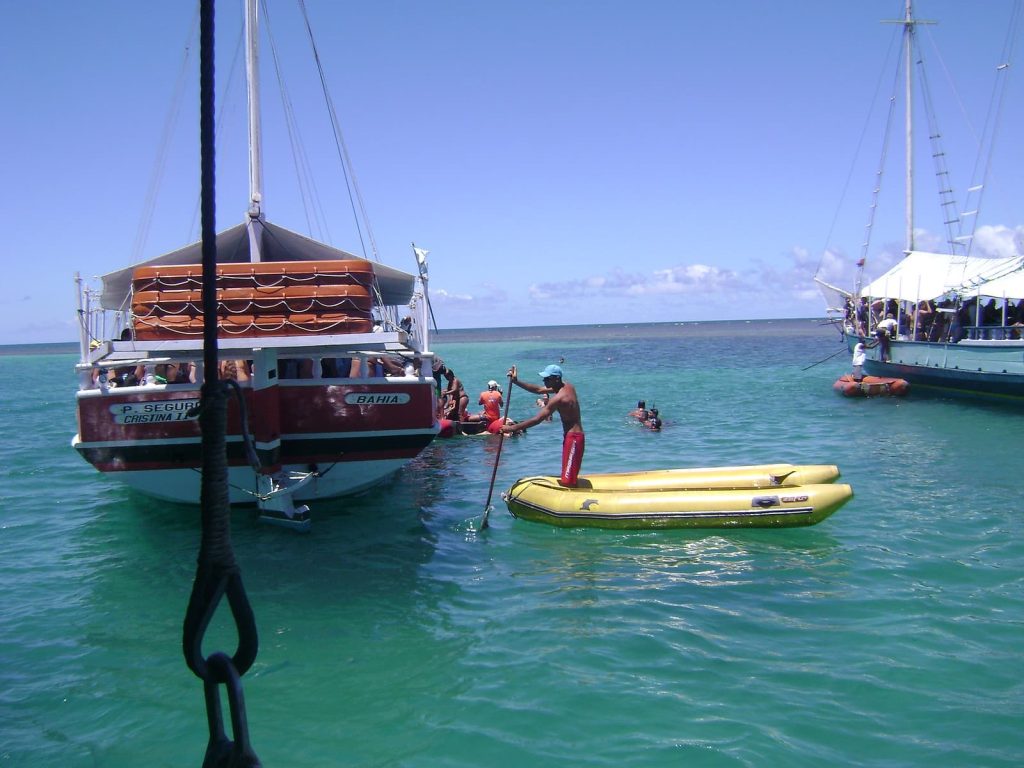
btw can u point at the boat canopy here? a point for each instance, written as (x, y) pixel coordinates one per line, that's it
(922, 276)
(278, 244)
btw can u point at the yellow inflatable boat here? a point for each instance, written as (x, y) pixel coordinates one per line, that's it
(766, 496)
(757, 476)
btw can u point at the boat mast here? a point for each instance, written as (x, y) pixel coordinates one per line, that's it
(252, 61)
(908, 31)
(909, 22)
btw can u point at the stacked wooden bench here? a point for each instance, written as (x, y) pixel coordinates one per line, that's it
(282, 298)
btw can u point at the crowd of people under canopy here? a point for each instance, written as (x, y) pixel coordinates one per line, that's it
(950, 319)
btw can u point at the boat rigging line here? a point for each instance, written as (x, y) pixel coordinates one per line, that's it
(853, 162)
(352, 184)
(316, 218)
(841, 351)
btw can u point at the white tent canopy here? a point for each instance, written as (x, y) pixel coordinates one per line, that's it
(278, 244)
(922, 275)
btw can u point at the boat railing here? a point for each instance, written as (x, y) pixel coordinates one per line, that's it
(366, 347)
(993, 332)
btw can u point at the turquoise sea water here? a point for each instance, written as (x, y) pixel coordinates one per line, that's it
(395, 634)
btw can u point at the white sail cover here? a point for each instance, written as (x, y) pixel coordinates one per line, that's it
(922, 275)
(278, 244)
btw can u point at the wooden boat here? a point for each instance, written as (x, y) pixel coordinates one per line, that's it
(302, 326)
(727, 497)
(871, 386)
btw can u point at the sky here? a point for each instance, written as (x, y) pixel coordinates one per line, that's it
(563, 161)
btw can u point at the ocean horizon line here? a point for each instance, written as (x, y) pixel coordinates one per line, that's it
(506, 332)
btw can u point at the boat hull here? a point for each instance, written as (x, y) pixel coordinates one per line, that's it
(351, 433)
(986, 369)
(542, 499)
(338, 479)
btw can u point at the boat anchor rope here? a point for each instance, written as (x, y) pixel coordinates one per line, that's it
(217, 572)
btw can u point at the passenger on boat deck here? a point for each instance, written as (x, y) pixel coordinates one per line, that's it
(640, 412)
(991, 315)
(124, 377)
(862, 316)
(924, 316)
(238, 370)
(1015, 319)
(565, 402)
(392, 366)
(456, 398)
(885, 330)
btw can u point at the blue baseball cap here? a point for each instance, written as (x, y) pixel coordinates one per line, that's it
(551, 370)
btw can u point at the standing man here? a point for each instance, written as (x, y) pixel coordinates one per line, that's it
(885, 330)
(563, 400)
(455, 396)
(859, 356)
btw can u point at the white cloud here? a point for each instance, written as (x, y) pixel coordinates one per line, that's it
(689, 278)
(998, 241)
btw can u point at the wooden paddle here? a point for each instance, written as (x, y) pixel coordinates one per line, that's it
(497, 457)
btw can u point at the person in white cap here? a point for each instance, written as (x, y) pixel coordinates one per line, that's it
(492, 402)
(562, 400)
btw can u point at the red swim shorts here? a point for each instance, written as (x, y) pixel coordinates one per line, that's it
(572, 458)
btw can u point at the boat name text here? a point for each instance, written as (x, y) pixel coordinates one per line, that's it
(155, 411)
(377, 398)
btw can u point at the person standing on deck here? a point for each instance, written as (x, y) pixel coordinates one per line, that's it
(885, 330)
(564, 401)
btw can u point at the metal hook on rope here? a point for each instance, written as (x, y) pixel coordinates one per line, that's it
(222, 751)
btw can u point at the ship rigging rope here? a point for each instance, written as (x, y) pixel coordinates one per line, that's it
(354, 193)
(217, 572)
(860, 144)
(316, 219)
(160, 164)
(982, 171)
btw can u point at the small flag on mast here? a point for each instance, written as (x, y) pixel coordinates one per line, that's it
(421, 259)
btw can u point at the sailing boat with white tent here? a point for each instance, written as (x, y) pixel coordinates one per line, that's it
(330, 352)
(959, 316)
